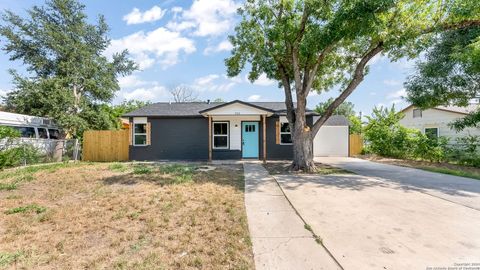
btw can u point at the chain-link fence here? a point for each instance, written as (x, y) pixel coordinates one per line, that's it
(26, 151)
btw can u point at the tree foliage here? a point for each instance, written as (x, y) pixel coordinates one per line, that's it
(386, 137)
(67, 78)
(450, 74)
(346, 109)
(316, 45)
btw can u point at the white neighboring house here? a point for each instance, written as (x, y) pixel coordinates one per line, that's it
(434, 121)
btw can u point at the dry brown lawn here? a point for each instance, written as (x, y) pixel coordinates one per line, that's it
(123, 216)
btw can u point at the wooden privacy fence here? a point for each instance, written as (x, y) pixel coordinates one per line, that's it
(355, 144)
(105, 145)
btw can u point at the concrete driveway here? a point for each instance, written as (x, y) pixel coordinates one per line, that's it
(389, 217)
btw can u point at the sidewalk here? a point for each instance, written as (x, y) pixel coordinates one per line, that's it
(279, 237)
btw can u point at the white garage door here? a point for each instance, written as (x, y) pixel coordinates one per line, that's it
(331, 141)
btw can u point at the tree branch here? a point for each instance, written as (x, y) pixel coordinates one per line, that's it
(288, 94)
(356, 80)
(310, 78)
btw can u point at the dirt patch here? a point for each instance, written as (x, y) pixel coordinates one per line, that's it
(275, 168)
(420, 164)
(119, 216)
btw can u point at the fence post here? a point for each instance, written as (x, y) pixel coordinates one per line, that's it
(75, 151)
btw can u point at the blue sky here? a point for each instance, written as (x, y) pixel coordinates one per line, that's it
(185, 42)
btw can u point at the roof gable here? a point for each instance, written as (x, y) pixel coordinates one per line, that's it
(236, 107)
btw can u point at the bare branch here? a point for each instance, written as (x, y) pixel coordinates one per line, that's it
(182, 93)
(356, 80)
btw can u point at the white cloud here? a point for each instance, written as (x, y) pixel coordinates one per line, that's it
(146, 94)
(206, 79)
(397, 94)
(130, 81)
(221, 47)
(151, 15)
(212, 83)
(391, 82)
(208, 17)
(262, 80)
(160, 45)
(396, 101)
(254, 98)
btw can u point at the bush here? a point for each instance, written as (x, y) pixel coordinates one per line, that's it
(386, 137)
(10, 155)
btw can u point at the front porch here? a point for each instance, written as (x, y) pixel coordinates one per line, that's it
(237, 131)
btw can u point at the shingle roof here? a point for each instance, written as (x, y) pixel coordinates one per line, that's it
(463, 110)
(194, 108)
(334, 120)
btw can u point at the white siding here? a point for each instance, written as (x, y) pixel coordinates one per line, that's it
(331, 141)
(236, 128)
(433, 118)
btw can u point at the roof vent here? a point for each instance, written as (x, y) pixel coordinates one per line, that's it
(208, 101)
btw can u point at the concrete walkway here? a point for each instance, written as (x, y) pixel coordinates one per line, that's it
(279, 237)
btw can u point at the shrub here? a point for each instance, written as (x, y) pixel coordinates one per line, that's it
(386, 137)
(11, 156)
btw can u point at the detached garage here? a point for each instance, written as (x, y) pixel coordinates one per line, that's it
(332, 138)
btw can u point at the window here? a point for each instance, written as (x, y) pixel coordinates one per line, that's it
(54, 134)
(432, 133)
(220, 135)
(26, 132)
(285, 134)
(417, 113)
(42, 133)
(249, 128)
(140, 134)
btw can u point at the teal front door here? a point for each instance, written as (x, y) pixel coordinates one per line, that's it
(250, 139)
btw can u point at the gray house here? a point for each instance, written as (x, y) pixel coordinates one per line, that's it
(218, 130)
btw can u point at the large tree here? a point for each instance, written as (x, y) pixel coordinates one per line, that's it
(317, 45)
(449, 74)
(67, 77)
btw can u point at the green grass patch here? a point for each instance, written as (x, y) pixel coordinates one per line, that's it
(26, 209)
(7, 258)
(117, 167)
(451, 172)
(8, 186)
(142, 169)
(181, 173)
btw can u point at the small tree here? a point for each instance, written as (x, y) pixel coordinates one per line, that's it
(317, 45)
(68, 78)
(182, 93)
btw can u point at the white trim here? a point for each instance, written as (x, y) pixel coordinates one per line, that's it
(284, 122)
(237, 109)
(139, 121)
(221, 135)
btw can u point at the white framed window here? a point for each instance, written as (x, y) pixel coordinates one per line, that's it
(431, 132)
(220, 135)
(285, 133)
(139, 131)
(417, 113)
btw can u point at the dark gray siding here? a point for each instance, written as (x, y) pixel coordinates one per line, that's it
(175, 139)
(226, 154)
(279, 151)
(187, 139)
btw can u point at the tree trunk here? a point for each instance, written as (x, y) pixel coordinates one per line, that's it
(302, 140)
(303, 150)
